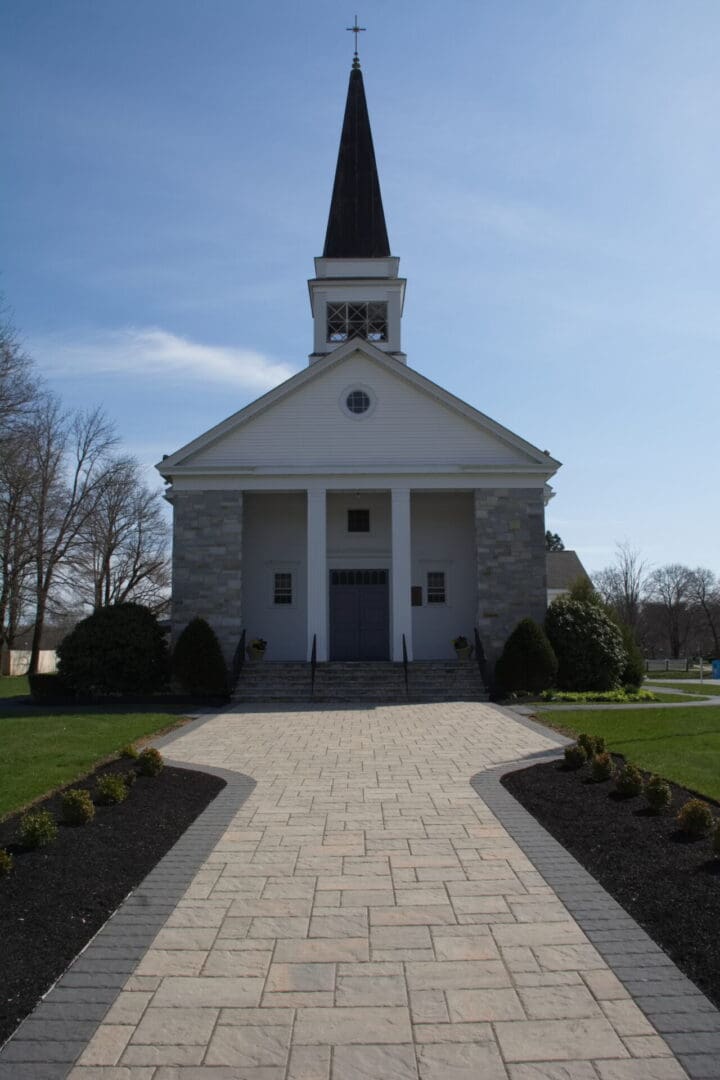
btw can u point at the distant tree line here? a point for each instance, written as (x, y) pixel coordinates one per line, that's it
(79, 530)
(673, 610)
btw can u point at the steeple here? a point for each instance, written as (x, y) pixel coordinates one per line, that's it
(356, 225)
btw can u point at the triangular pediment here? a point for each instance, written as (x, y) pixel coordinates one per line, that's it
(304, 422)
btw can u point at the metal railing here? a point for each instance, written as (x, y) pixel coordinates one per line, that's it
(238, 660)
(313, 665)
(405, 666)
(481, 659)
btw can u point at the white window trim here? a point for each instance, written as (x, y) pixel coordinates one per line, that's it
(282, 568)
(342, 401)
(428, 566)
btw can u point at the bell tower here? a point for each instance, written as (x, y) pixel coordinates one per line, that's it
(356, 291)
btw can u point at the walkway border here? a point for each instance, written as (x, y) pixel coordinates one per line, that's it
(686, 1019)
(47, 1044)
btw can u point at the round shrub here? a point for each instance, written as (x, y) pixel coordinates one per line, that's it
(527, 661)
(129, 751)
(658, 794)
(587, 643)
(116, 650)
(629, 781)
(37, 828)
(6, 862)
(130, 778)
(602, 767)
(575, 757)
(197, 663)
(695, 818)
(591, 744)
(111, 788)
(150, 762)
(77, 807)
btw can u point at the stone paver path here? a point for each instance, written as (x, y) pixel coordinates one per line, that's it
(366, 917)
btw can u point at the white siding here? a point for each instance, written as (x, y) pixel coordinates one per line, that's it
(354, 550)
(275, 539)
(309, 428)
(443, 539)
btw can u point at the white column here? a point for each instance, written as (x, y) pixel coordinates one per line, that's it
(317, 578)
(401, 573)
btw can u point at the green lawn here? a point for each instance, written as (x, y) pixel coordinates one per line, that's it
(708, 689)
(14, 686)
(680, 744)
(694, 673)
(41, 753)
(667, 699)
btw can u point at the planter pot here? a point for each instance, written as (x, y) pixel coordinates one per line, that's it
(255, 654)
(465, 653)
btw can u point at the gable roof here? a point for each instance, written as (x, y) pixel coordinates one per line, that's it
(178, 461)
(563, 569)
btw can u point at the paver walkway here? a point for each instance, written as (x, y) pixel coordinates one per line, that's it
(365, 917)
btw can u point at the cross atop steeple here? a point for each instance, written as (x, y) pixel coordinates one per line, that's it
(356, 30)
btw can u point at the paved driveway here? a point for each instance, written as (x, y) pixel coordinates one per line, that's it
(366, 916)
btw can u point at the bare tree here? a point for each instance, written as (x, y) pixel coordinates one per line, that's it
(669, 587)
(18, 385)
(621, 585)
(704, 595)
(68, 455)
(123, 547)
(16, 549)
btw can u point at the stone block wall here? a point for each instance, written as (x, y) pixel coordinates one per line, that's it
(207, 563)
(510, 554)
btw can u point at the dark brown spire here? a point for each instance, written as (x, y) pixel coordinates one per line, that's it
(356, 225)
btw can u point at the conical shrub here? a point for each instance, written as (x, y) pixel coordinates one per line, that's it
(197, 663)
(527, 662)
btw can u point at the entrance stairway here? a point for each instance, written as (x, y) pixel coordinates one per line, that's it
(371, 681)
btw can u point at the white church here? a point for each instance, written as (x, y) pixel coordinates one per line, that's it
(358, 509)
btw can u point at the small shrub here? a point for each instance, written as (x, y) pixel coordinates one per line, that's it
(695, 818)
(602, 767)
(658, 794)
(129, 751)
(197, 661)
(527, 661)
(111, 788)
(599, 744)
(77, 807)
(6, 862)
(716, 841)
(130, 778)
(575, 756)
(629, 782)
(37, 828)
(150, 762)
(587, 744)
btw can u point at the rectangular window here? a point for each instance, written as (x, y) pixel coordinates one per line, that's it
(364, 320)
(358, 521)
(282, 593)
(436, 587)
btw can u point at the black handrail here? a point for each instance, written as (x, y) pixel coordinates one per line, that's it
(481, 659)
(313, 665)
(238, 659)
(405, 667)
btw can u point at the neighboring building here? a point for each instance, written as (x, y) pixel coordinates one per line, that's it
(358, 503)
(563, 570)
(16, 661)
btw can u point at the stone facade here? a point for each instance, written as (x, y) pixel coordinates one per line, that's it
(207, 563)
(510, 551)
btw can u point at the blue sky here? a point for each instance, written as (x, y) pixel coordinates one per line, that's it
(549, 174)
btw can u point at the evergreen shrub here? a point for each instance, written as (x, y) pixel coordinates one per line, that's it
(658, 794)
(587, 643)
(129, 751)
(197, 663)
(695, 818)
(111, 788)
(602, 767)
(527, 661)
(629, 782)
(77, 807)
(116, 650)
(6, 862)
(633, 673)
(150, 762)
(591, 744)
(575, 756)
(37, 828)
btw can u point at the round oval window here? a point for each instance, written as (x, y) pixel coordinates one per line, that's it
(357, 401)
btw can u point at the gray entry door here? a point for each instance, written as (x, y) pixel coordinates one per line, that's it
(359, 615)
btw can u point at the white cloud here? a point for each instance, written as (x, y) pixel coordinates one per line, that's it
(156, 353)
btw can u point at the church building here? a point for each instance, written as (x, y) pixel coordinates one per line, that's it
(358, 507)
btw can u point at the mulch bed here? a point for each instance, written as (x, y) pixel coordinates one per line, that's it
(57, 897)
(667, 882)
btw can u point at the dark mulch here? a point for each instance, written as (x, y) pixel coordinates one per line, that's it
(57, 897)
(667, 882)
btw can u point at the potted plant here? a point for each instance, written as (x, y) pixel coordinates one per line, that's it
(463, 648)
(256, 648)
